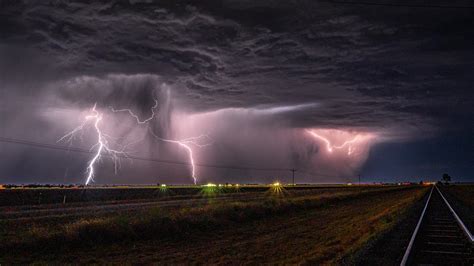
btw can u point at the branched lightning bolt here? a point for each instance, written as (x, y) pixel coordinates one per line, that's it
(102, 143)
(328, 144)
(135, 116)
(185, 143)
(103, 146)
(331, 147)
(349, 143)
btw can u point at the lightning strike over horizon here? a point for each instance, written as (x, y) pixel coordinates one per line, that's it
(102, 143)
(184, 143)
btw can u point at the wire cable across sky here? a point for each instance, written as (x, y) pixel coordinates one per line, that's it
(148, 159)
(81, 150)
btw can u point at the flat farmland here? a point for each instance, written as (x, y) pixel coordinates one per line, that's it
(278, 224)
(56, 195)
(461, 197)
(61, 203)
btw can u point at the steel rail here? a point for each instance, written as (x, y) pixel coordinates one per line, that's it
(417, 228)
(463, 226)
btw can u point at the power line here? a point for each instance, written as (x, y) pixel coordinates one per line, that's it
(148, 159)
(398, 5)
(80, 150)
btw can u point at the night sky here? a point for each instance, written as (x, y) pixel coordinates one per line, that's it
(250, 82)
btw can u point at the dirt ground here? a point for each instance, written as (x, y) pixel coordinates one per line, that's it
(315, 236)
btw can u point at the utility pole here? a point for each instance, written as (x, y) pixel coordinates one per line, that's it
(359, 180)
(64, 184)
(293, 171)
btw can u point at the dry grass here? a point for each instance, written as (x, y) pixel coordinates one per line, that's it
(316, 229)
(463, 193)
(462, 199)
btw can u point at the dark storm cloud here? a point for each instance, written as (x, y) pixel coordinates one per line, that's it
(406, 72)
(240, 53)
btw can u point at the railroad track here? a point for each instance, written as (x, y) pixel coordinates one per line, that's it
(440, 237)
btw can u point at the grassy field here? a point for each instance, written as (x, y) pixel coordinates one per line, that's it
(57, 195)
(463, 193)
(321, 228)
(388, 248)
(461, 197)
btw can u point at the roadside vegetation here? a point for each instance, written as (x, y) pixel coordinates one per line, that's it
(32, 195)
(461, 197)
(318, 228)
(463, 193)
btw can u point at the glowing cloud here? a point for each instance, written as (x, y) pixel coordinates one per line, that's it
(348, 141)
(103, 140)
(343, 152)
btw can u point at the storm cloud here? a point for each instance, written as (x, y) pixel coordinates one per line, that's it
(252, 75)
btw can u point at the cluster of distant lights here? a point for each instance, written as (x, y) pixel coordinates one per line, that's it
(279, 184)
(220, 185)
(275, 184)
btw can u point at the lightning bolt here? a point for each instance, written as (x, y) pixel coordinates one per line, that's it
(186, 144)
(102, 143)
(328, 143)
(103, 146)
(331, 147)
(135, 116)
